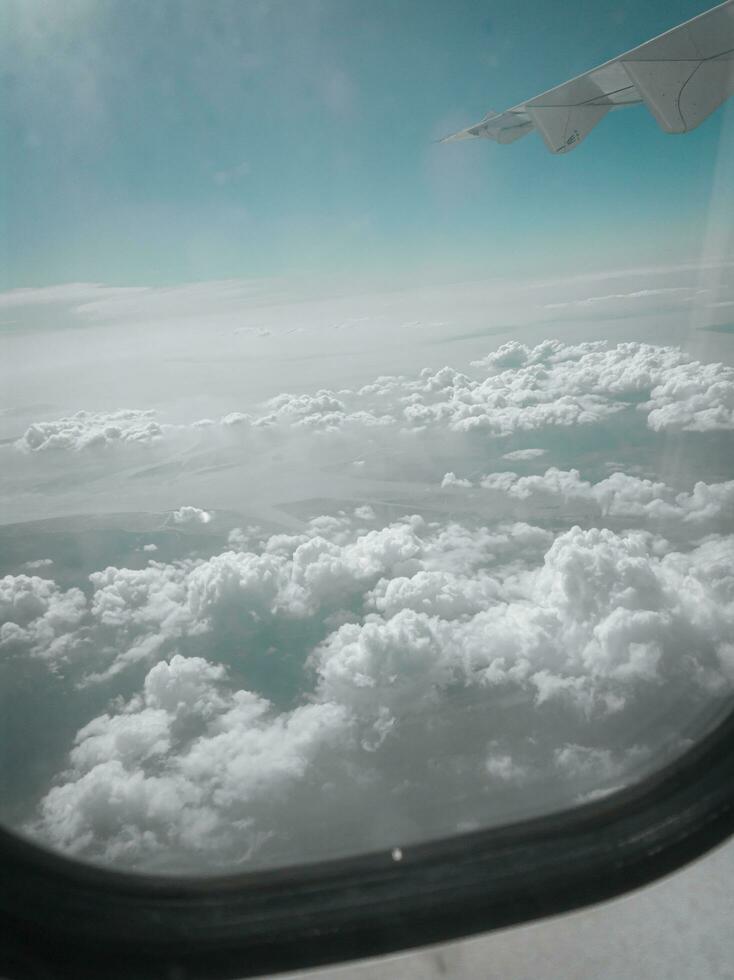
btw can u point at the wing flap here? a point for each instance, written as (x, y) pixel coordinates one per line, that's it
(564, 127)
(660, 84)
(711, 84)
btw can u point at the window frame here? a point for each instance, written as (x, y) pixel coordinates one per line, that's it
(62, 917)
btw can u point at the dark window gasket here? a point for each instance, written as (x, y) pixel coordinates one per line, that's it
(61, 918)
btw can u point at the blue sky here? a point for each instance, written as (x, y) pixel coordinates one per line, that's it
(165, 142)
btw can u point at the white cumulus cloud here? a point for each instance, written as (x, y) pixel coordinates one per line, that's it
(186, 767)
(190, 515)
(91, 430)
(497, 652)
(424, 640)
(39, 617)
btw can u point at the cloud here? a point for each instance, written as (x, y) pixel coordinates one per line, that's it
(524, 454)
(524, 389)
(625, 297)
(184, 768)
(436, 592)
(683, 393)
(38, 617)
(374, 660)
(451, 480)
(235, 418)
(384, 664)
(138, 615)
(73, 292)
(695, 397)
(90, 430)
(206, 299)
(423, 640)
(619, 495)
(503, 768)
(517, 389)
(586, 762)
(190, 515)
(322, 411)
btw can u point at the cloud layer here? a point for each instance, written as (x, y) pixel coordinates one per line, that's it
(707, 505)
(515, 389)
(521, 663)
(381, 673)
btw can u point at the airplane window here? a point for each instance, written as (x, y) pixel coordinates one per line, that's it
(359, 487)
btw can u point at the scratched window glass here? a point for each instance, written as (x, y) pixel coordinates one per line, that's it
(359, 486)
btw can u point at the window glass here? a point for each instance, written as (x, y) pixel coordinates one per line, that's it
(356, 489)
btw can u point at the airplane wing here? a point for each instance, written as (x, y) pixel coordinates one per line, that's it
(681, 76)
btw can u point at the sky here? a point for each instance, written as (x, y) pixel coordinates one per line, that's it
(160, 143)
(344, 473)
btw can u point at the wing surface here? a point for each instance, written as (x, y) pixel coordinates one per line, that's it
(681, 76)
